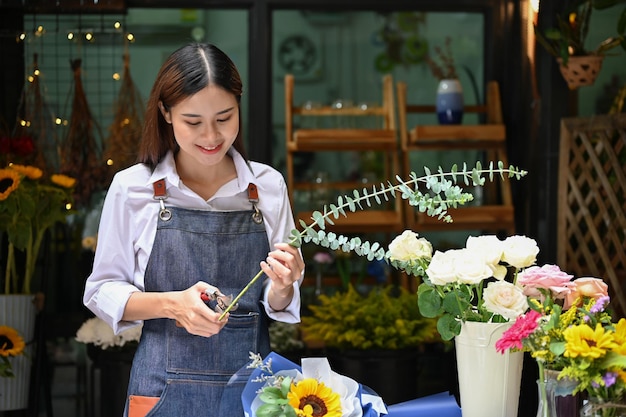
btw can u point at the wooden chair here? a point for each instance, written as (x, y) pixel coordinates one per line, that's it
(496, 214)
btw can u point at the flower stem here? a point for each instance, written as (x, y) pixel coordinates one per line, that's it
(543, 400)
(245, 289)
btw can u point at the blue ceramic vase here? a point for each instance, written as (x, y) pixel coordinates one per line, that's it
(449, 102)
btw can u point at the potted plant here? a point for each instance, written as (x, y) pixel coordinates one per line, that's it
(374, 338)
(567, 42)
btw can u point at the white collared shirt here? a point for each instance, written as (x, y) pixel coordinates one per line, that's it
(129, 220)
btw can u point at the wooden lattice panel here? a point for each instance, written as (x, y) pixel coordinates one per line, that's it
(592, 202)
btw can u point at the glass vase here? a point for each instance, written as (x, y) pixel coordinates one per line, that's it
(547, 405)
(599, 407)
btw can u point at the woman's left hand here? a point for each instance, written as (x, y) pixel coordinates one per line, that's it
(283, 266)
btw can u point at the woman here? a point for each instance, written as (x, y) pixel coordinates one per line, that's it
(193, 219)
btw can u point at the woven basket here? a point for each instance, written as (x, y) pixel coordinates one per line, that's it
(581, 70)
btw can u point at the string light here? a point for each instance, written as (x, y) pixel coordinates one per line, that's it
(117, 25)
(58, 121)
(130, 37)
(36, 72)
(70, 36)
(31, 78)
(116, 76)
(89, 36)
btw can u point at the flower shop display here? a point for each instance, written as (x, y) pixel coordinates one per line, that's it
(11, 345)
(278, 387)
(569, 330)
(441, 191)
(472, 293)
(29, 205)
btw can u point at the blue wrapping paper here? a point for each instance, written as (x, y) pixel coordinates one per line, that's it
(436, 405)
(249, 395)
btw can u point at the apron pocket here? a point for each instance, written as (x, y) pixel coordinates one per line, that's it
(222, 354)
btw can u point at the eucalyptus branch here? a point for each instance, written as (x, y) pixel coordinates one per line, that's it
(442, 193)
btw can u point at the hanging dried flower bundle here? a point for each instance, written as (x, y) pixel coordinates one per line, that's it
(80, 156)
(34, 139)
(122, 144)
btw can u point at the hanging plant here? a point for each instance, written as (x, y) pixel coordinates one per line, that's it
(81, 154)
(121, 145)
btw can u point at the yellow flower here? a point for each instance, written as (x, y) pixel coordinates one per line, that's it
(586, 342)
(620, 337)
(312, 399)
(63, 180)
(28, 171)
(9, 181)
(11, 343)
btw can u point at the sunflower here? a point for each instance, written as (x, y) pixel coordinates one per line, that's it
(314, 399)
(11, 343)
(586, 342)
(28, 171)
(63, 180)
(9, 181)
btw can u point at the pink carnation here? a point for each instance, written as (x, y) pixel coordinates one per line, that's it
(547, 277)
(523, 327)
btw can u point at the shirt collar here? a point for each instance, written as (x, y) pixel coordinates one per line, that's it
(167, 169)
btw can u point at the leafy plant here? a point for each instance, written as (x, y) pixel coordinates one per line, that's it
(379, 320)
(445, 69)
(570, 35)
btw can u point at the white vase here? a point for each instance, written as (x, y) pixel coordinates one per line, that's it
(449, 103)
(19, 312)
(489, 381)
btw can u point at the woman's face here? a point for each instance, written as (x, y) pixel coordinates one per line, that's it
(205, 125)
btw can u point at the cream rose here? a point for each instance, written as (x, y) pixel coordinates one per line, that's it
(520, 251)
(441, 270)
(506, 299)
(471, 267)
(408, 247)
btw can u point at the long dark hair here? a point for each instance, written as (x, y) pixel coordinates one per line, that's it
(185, 72)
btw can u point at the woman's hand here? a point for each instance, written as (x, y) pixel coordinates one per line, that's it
(191, 312)
(283, 266)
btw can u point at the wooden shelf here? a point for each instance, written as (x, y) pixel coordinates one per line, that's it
(383, 140)
(498, 213)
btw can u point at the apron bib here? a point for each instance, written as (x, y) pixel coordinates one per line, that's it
(190, 374)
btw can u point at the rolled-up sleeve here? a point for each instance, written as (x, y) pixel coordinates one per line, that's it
(111, 281)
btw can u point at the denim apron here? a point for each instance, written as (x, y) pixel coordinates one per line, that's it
(192, 374)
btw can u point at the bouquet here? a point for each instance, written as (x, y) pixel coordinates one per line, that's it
(475, 283)
(29, 206)
(278, 387)
(568, 329)
(11, 345)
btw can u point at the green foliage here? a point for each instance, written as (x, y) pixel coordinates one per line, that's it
(442, 191)
(378, 320)
(275, 402)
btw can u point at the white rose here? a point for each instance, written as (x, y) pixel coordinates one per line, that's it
(488, 245)
(520, 251)
(470, 266)
(441, 270)
(408, 247)
(506, 299)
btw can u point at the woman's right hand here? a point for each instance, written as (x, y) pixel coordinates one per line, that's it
(191, 312)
